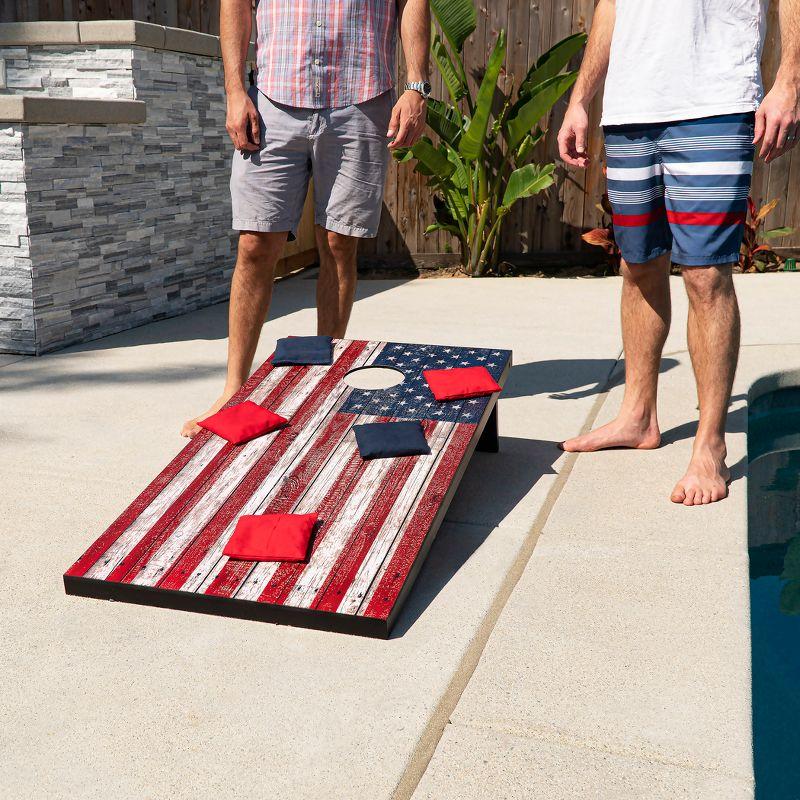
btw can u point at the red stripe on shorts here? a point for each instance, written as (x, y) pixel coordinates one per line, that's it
(637, 220)
(705, 218)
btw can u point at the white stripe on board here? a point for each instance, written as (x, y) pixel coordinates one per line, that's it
(392, 531)
(215, 495)
(308, 503)
(339, 532)
(150, 515)
(213, 562)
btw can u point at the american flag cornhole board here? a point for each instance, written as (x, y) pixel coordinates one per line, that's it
(378, 518)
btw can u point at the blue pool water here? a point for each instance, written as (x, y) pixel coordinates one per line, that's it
(774, 546)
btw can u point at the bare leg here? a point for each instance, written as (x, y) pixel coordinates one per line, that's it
(336, 285)
(251, 292)
(645, 324)
(713, 332)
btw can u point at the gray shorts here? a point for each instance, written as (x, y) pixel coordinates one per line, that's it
(344, 149)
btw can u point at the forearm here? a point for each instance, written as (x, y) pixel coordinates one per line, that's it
(234, 38)
(415, 36)
(595, 58)
(789, 15)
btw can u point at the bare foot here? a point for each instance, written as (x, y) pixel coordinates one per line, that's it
(190, 429)
(637, 433)
(706, 479)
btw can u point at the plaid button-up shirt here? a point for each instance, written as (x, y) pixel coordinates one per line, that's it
(325, 53)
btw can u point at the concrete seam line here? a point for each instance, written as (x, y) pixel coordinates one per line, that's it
(439, 719)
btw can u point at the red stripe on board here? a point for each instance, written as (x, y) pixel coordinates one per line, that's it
(287, 575)
(156, 486)
(704, 218)
(358, 545)
(292, 487)
(135, 561)
(232, 575)
(233, 505)
(397, 571)
(636, 220)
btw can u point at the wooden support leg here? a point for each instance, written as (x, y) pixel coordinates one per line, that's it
(490, 441)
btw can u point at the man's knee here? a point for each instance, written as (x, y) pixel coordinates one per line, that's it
(651, 273)
(257, 246)
(341, 247)
(706, 285)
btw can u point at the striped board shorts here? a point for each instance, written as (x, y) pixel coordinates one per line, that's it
(681, 187)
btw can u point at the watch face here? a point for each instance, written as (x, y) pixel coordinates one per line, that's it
(426, 88)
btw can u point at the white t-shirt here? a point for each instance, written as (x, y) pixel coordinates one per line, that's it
(684, 59)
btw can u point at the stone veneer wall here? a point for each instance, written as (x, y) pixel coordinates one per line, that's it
(107, 226)
(16, 281)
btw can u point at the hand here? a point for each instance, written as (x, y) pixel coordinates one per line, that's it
(242, 118)
(778, 120)
(408, 120)
(572, 136)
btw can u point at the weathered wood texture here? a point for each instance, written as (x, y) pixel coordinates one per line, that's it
(377, 517)
(551, 221)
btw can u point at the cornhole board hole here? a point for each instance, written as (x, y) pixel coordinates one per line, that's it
(378, 518)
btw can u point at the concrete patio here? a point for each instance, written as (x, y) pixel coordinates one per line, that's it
(572, 634)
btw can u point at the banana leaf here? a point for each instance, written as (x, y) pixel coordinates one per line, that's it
(525, 182)
(445, 121)
(434, 161)
(471, 144)
(541, 101)
(552, 62)
(452, 80)
(456, 18)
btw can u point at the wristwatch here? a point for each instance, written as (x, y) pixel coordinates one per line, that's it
(423, 87)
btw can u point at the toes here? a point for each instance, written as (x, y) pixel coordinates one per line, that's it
(706, 496)
(690, 496)
(678, 494)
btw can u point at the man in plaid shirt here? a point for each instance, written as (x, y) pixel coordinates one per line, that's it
(323, 105)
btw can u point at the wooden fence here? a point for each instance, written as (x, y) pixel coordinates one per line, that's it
(553, 221)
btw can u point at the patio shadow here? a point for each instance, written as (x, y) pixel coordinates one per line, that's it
(569, 378)
(495, 483)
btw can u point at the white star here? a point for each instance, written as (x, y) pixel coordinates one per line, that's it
(472, 402)
(440, 361)
(491, 364)
(470, 351)
(391, 358)
(496, 353)
(481, 358)
(384, 408)
(464, 363)
(400, 364)
(447, 350)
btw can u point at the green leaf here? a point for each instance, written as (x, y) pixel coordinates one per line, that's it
(438, 226)
(527, 181)
(445, 121)
(433, 160)
(528, 143)
(776, 233)
(456, 18)
(791, 561)
(459, 178)
(541, 101)
(553, 61)
(452, 80)
(402, 155)
(790, 598)
(471, 144)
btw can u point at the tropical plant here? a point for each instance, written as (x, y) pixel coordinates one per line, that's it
(603, 237)
(756, 256)
(479, 167)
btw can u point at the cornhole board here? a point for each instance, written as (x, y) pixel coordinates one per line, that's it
(378, 518)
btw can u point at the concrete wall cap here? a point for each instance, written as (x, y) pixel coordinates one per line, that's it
(41, 110)
(21, 33)
(183, 41)
(122, 31)
(114, 31)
